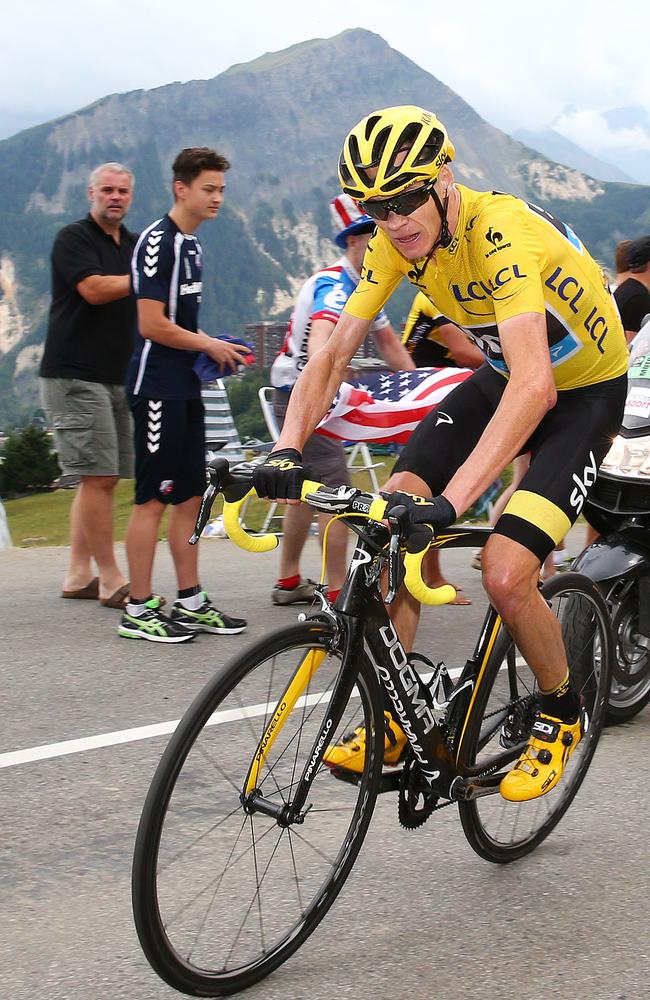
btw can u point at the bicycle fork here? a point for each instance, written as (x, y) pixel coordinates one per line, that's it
(292, 812)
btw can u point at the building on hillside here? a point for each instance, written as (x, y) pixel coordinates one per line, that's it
(267, 339)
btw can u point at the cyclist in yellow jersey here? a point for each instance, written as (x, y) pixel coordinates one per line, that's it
(523, 286)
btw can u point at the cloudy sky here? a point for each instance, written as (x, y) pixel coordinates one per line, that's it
(519, 64)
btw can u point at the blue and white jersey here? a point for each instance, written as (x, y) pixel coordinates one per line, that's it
(167, 267)
(323, 296)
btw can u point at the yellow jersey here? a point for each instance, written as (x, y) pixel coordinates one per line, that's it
(508, 257)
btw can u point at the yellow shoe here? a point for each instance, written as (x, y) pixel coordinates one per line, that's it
(541, 765)
(350, 753)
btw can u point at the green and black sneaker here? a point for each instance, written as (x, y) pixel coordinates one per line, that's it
(206, 619)
(153, 625)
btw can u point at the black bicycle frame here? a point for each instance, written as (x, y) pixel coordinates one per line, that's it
(362, 626)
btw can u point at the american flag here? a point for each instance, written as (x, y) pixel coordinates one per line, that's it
(387, 407)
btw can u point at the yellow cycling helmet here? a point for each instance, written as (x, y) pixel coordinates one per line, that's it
(380, 140)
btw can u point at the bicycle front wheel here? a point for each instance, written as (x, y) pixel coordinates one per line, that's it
(221, 897)
(503, 710)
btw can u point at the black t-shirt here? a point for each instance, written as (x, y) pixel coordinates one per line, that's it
(633, 301)
(93, 343)
(167, 267)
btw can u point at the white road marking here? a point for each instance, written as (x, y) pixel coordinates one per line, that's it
(49, 750)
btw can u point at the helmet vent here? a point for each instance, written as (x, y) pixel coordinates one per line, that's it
(370, 125)
(379, 146)
(346, 176)
(402, 146)
(431, 148)
(399, 181)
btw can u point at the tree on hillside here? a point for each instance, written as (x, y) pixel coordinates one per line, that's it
(28, 462)
(245, 404)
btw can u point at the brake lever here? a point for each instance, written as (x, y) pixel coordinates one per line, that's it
(394, 561)
(204, 512)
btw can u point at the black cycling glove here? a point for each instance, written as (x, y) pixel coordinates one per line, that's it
(419, 517)
(281, 475)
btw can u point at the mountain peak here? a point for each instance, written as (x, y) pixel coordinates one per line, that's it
(275, 60)
(280, 119)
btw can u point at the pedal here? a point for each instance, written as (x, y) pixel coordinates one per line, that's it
(349, 777)
(390, 779)
(388, 782)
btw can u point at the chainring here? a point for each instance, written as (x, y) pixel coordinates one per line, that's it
(415, 801)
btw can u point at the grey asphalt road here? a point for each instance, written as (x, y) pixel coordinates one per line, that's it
(421, 916)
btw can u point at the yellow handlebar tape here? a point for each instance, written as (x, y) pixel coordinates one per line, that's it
(265, 543)
(234, 530)
(418, 588)
(309, 486)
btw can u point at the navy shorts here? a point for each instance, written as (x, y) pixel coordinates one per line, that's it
(169, 449)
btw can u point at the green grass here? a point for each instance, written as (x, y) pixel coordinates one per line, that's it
(43, 519)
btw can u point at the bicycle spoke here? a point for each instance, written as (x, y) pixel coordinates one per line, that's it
(211, 901)
(315, 849)
(197, 840)
(178, 913)
(295, 872)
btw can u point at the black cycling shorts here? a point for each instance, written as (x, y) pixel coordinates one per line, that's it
(169, 449)
(566, 450)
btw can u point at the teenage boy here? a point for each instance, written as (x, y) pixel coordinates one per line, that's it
(165, 397)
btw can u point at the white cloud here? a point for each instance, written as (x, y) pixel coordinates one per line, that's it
(517, 64)
(591, 130)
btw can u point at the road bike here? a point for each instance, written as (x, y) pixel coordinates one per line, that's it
(247, 837)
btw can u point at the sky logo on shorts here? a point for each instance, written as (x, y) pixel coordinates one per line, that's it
(166, 487)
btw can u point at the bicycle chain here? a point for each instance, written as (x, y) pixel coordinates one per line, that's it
(511, 705)
(410, 817)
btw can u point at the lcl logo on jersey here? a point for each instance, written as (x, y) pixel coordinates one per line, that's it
(477, 291)
(583, 483)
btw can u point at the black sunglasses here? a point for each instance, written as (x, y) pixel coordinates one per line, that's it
(402, 204)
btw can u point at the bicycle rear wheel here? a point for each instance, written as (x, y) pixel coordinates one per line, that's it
(502, 713)
(222, 897)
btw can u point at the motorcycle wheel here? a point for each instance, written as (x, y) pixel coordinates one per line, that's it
(630, 690)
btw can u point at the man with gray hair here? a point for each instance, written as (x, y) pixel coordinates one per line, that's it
(87, 349)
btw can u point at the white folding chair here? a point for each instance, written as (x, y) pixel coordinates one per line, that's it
(265, 396)
(360, 449)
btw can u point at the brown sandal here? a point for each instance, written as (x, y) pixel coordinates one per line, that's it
(118, 600)
(88, 593)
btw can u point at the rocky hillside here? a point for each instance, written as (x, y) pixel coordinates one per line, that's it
(280, 119)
